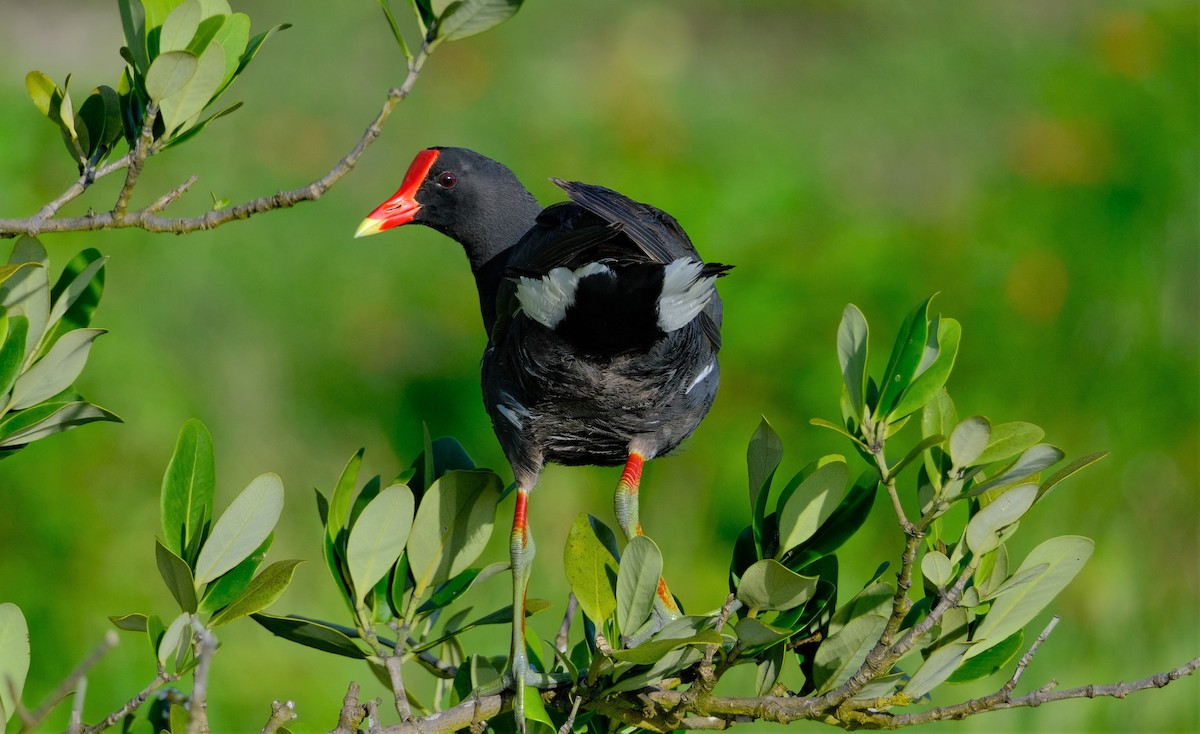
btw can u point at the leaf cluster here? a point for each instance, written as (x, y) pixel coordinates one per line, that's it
(45, 339)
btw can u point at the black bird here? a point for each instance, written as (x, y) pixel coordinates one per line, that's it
(603, 330)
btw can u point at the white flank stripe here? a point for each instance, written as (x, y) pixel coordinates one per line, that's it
(684, 294)
(700, 377)
(546, 299)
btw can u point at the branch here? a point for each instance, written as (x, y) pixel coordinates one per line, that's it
(29, 721)
(281, 713)
(206, 646)
(147, 217)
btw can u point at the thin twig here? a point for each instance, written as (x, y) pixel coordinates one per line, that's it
(564, 630)
(30, 721)
(145, 218)
(205, 647)
(132, 704)
(139, 154)
(169, 198)
(76, 725)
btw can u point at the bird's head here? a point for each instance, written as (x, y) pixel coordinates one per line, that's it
(462, 194)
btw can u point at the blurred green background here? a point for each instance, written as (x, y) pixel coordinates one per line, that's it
(1036, 163)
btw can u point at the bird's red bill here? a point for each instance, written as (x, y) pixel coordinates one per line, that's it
(403, 205)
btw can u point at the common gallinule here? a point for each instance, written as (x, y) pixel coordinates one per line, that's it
(603, 329)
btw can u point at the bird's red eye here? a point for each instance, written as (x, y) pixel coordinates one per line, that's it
(447, 179)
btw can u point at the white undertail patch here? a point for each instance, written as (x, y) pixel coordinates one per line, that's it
(546, 299)
(684, 294)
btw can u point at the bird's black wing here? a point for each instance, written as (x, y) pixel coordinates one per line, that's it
(653, 231)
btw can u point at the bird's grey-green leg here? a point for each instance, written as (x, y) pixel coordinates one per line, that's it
(521, 549)
(625, 505)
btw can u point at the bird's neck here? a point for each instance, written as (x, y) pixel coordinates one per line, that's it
(495, 231)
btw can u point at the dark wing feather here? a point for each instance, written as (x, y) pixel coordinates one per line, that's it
(655, 232)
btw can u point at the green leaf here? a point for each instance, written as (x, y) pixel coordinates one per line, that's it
(763, 455)
(27, 426)
(206, 33)
(969, 439)
(311, 633)
(130, 622)
(186, 499)
(938, 417)
(1063, 556)
(591, 569)
(672, 662)
(449, 592)
(452, 525)
(990, 661)
(343, 496)
(46, 95)
(939, 666)
(1034, 460)
(263, 591)
(845, 650)
(925, 444)
(244, 525)
(852, 356)
(133, 22)
(1012, 583)
(842, 524)
(233, 36)
(12, 353)
(1009, 439)
(812, 503)
(769, 584)
(937, 568)
(14, 658)
(26, 292)
(653, 650)
(189, 101)
(256, 43)
(177, 576)
(179, 718)
(983, 531)
(906, 357)
(503, 615)
(179, 27)
(637, 582)
(378, 538)
(56, 371)
(755, 633)
(170, 73)
(76, 294)
(465, 18)
(876, 599)
(944, 339)
(174, 638)
(233, 582)
(1075, 466)
(91, 122)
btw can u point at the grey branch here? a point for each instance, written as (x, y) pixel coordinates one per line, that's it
(29, 721)
(148, 218)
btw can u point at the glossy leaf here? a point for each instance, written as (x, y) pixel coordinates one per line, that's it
(186, 499)
(1063, 556)
(263, 591)
(842, 524)
(939, 666)
(845, 650)
(464, 18)
(754, 633)
(852, 356)
(452, 525)
(177, 576)
(449, 592)
(990, 661)
(969, 439)
(906, 356)
(170, 73)
(343, 496)
(47, 419)
(637, 582)
(133, 22)
(243, 526)
(56, 371)
(653, 650)
(1034, 460)
(812, 503)
(768, 584)
(195, 94)
(311, 633)
(983, 530)
(591, 569)
(233, 582)
(76, 294)
(378, 537)
(1008, 440)
(1075, 466)
(763, 455)
(937, 568)
(130, 622)
(14, 658)
(206, 32)
(944, 339)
